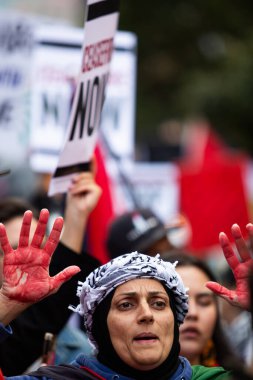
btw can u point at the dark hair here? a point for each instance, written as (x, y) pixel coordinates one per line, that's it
(223, 350)
(12, 207)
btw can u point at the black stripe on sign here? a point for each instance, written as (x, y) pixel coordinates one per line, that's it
(66, 170)
(60, 44)
(102, 8)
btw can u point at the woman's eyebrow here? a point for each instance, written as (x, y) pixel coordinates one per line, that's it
(205, 294)
(157, 293)
(152, 293)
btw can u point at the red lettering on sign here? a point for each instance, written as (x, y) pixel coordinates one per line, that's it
(96, 55)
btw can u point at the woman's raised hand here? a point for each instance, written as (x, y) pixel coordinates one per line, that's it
(241, 265)
(26, 276)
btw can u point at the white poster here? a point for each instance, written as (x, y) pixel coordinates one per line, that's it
(100, 28)
(118, 116)
(146, 184)
(16, 48)
(56, 65)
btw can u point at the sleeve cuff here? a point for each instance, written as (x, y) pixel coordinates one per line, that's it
(5, 331)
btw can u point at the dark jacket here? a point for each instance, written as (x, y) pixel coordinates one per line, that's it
(91, 366)
(92, 369)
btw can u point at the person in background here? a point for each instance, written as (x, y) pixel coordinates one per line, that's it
(141, 230)
(202, 339)
(50, 315)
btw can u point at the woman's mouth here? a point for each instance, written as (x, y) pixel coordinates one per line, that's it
(145, 338)
(190, 333)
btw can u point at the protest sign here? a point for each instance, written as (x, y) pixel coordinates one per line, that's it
(100, 28)
(56, 65)
(118, 115)
(16, 48)
(149, 185)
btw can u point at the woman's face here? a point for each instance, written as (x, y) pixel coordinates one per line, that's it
(141, 323)
(200, 320)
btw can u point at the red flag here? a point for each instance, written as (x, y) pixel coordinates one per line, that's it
(212, 190)
(102, 214)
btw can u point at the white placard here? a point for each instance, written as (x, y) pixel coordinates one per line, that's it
(145, 184)
(100, 28)
(16, 48)
(56, 66)
(118, 116)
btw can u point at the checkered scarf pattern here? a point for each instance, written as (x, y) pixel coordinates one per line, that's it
(124, 268)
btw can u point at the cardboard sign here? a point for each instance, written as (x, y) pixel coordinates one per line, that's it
(100, 28)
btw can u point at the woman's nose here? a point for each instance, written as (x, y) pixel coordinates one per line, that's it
(193, 310)
(145, 313)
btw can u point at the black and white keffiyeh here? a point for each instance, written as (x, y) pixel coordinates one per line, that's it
(124, 268)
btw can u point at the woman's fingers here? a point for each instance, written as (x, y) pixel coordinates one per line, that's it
(41, 228)
(240, 243)
(4, 241)
(54, 236)
(228, 251)
(63, 276)
(25, 229)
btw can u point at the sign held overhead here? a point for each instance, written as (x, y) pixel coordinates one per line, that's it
(100, 27)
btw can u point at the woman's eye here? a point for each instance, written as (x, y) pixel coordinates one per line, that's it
(125, 306)
(159, 304)
(206, 300)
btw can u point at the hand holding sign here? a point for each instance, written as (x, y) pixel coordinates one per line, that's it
(100, 28)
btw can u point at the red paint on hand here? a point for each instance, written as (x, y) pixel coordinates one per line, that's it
(240, 266)
(26, 269)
